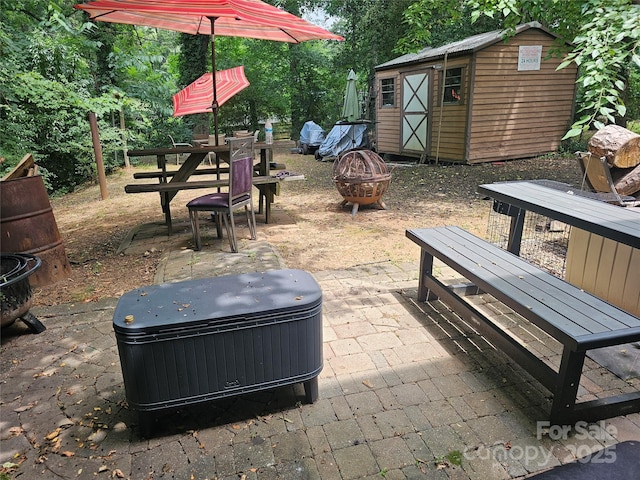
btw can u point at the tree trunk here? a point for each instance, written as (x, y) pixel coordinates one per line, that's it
(621, 147)
(629, 184)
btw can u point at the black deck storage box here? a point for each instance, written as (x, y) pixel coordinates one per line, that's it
(198, 340)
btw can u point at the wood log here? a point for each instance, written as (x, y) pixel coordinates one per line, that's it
(621, 147)
(628, 184)
(25, 168)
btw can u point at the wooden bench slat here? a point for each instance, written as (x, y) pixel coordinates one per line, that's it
(595, 308)
(552, 304)
(177, 186)
(200, 171)
(171, 173)
(497, 284)
(579, 307)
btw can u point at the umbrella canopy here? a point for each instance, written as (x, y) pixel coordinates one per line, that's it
(198, 96)
(235, 18)
(351, 105)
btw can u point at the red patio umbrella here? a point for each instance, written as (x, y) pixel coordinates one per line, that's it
(197, 97)
(236, 18)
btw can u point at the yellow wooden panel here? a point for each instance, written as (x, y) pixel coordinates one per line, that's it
(619, 276)
(576, 253)
(608, 269)
(631, 301)
(605, 269)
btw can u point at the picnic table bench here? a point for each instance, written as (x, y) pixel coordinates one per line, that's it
(267, 184)
(157, 174)
(578, 320)
(169, 183)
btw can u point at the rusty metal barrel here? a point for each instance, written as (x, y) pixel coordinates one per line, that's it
(27, 225)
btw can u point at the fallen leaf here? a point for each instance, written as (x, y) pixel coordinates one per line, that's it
(52, 435)
(57, 443)
(103, 468)
(117, 473)
(367, 383)
(24, 408)
(67, 453)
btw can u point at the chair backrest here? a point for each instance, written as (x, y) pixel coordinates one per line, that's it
(240, 168)
(596, 173)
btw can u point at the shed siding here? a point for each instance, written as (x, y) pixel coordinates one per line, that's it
(449, 122)
(518, 114)
(388, 118)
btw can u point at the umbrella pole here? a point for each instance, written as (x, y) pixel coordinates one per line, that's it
(214, 105)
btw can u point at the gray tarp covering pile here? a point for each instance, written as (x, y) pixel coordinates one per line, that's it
(311, 135)
(341, 138)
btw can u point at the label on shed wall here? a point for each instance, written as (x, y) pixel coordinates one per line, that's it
(529, 57)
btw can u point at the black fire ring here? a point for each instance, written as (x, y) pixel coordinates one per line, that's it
(15, 290)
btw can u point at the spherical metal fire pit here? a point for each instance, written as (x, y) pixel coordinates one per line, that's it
(15, 289)
(362, 178)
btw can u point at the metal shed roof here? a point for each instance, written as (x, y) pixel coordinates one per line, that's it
(467, 45)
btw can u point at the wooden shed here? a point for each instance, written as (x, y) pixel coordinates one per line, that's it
(476, 100)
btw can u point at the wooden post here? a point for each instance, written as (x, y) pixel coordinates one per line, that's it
(98, 151)
(123, 128)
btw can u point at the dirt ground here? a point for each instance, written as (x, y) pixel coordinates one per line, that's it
(327, 235)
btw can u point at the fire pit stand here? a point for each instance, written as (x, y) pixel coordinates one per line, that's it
(362, 178)
(15, 290)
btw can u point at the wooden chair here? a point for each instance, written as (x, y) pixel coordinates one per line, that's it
(597, 176)
(223, 204)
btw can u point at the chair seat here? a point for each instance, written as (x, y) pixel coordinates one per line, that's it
(215, 200)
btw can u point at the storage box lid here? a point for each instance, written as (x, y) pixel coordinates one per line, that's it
(215, 300)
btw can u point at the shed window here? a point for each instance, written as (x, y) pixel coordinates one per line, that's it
(388, 92)
(453, 85)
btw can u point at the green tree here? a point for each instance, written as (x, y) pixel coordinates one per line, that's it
(45, 91)
(432, 23)
(371, 29)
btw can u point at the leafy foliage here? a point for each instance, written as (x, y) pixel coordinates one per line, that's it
(45, 94)
(371, 29)
(438, 22)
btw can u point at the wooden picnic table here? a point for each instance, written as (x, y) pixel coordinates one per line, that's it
(171, 182)
(603, 250)
(589, 214)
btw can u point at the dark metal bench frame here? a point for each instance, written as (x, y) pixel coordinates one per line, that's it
(578, 320)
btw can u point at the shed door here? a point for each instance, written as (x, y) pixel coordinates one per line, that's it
(415, 111)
